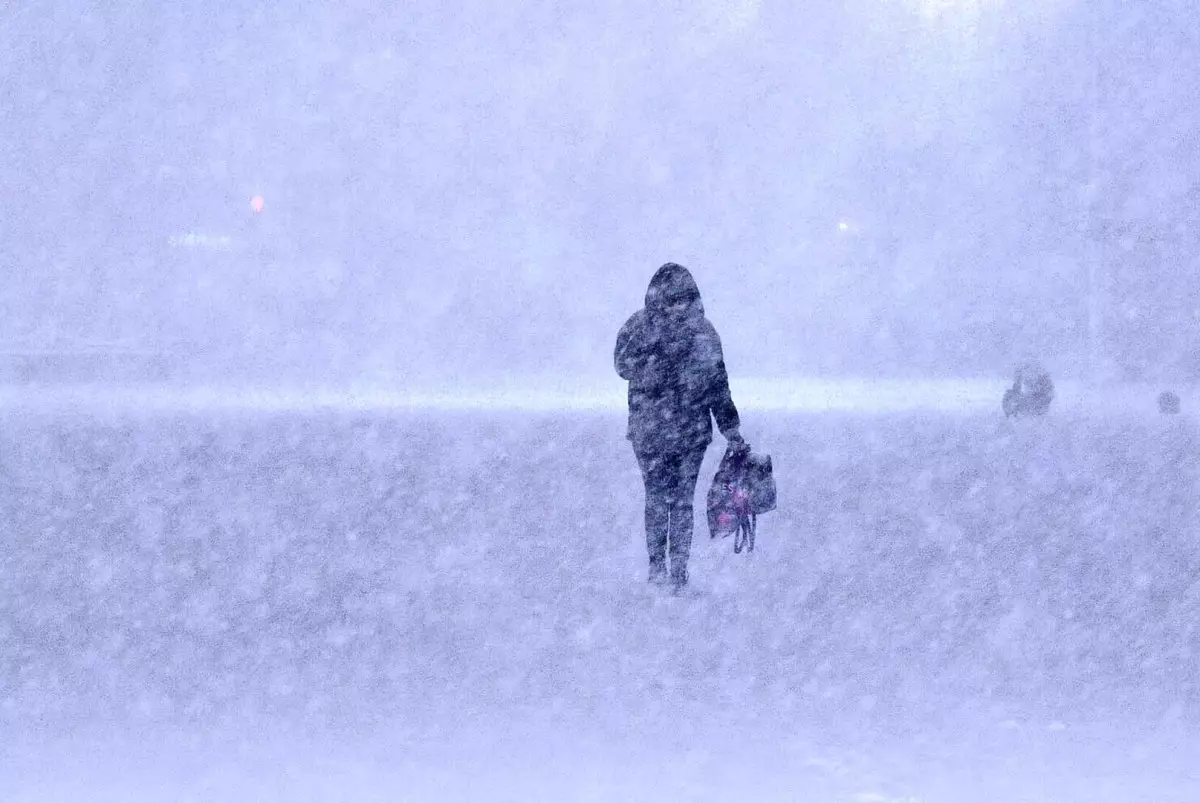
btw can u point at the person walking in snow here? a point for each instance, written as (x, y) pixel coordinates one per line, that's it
(671, 355)
(1031, 392)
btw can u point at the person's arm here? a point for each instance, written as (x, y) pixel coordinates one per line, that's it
(720, 400)
(723, 408)
(629, 357)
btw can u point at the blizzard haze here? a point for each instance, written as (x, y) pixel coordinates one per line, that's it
(331, 499)
(862, 188)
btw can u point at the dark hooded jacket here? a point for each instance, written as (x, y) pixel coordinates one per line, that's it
(671, 355)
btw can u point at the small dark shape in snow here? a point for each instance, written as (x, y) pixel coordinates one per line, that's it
(1168, 402)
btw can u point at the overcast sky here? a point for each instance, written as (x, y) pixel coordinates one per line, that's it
(860, 187)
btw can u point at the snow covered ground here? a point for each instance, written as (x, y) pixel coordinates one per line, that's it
(366, 602)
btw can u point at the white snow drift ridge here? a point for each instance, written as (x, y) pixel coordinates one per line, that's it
(957, 396)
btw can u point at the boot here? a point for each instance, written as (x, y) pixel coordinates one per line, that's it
(679, 574)
(658, 572)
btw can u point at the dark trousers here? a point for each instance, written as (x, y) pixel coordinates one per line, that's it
(670, 480)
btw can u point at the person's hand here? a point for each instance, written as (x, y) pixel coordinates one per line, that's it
(734, 437)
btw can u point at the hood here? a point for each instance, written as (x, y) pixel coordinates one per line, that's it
(670, 283)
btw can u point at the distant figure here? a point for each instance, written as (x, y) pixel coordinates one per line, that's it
(1031, 392)
(671, 355)
(1168, 402)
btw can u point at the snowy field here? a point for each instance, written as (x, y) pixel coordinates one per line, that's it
(390, 605)
(555, 394)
